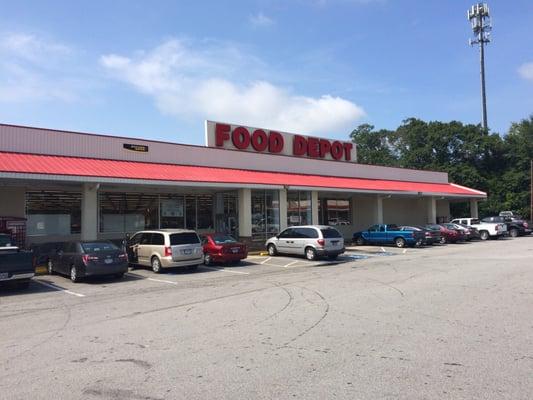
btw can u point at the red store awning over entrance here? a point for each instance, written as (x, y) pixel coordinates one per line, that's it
(50, 166)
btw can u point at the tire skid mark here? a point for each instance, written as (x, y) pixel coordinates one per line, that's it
(316, 323)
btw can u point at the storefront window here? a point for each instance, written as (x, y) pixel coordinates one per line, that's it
(334, 212)
(53, 212)
(226, 213)
(204, 212)
(299, 208)
(128, 212)
(265, 214)
(172, 211)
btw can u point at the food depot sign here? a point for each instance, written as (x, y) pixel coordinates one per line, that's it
(258, 140)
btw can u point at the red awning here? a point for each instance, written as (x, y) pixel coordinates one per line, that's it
(17, 163)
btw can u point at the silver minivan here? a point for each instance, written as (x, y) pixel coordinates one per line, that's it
(165, 248)
(311, 241)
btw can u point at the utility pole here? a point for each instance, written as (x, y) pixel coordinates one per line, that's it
(531, 194)
(479, 18)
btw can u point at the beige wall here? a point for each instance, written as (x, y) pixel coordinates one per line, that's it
(405, 210)
(12, 201)
(443, 209)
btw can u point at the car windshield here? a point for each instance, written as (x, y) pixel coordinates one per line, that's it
(434, 227)
(97, 247)
(5, 240)
(330, 233)
(223, 238)
(184, 238)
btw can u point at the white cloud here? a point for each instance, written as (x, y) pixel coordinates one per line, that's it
(260, 20)
(213, 81)
(33, 68)
(526, 71)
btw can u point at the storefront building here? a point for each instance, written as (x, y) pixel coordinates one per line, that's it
(250, 182)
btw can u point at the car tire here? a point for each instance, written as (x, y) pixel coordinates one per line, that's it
(50, 267)
(513, 232)
(156, 265)
(399, 242)
(359, 241)
(310, 254)
(272, 251)
(208, 260)
(74, 275)
(484, 235)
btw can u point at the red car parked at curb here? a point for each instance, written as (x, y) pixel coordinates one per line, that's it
(222, 248)
(447, 233)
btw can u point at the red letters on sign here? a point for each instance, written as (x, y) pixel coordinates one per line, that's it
(221, 134)
(241, 138)
(275, 142)
(299, 145)
(259, 140)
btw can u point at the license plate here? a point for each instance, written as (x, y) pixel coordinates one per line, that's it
(108, 260)
(235, 250)
(4, 275)
(334, 242)
(187, 251)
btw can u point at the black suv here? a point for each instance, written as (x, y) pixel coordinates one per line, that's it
(515, 227)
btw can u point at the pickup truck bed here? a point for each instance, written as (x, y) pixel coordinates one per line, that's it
(16, 265)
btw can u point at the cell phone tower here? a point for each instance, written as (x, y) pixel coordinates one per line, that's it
(479, 18)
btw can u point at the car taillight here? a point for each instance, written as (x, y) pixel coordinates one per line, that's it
(526, 225)
(86, 258)
(321, 242)
(122, 256)
(168, 251)
(428, 234)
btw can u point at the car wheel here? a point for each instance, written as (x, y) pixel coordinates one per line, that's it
(310, 253)
(483, 235)
(207, 260)
(399, 242)
(74, 276)
(50, 267)
(513, 232)
(272, 251)
(156, 265)
(360, 241)
(442, 240)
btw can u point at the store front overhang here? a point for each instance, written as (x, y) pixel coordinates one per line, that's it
(76, 169)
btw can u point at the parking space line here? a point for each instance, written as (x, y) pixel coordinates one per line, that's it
(162, 281)
(265, 261)
(291, 263)
(226, 270)
(383, 250)
(404, 251)
(59, 288)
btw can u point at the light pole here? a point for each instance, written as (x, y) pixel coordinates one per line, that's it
(479, 18)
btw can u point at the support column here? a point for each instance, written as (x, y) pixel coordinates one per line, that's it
(432, 210)
(353, 203)
(473, 209)
(314, 207)
(282, 209)
(245, 213)
(378, 210)
(89, 211)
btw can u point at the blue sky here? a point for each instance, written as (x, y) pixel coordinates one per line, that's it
(159, 69)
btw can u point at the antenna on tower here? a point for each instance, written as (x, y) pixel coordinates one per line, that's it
(479, 18)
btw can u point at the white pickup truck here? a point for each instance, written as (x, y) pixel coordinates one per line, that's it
(486, 229)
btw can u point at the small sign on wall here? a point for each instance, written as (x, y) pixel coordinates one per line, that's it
(141, 148)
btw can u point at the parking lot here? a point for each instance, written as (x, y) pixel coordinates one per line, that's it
(449, 321)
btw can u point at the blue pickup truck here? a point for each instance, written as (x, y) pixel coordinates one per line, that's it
(389, 234)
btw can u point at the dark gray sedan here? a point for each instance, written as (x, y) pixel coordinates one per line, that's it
(88, 258)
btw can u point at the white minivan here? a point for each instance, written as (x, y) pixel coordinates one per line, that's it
(311, 241)
(165, 248)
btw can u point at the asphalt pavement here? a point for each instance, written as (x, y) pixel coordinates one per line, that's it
(443, 322)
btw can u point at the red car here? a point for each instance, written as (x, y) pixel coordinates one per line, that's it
(448, 234)
(222, 248)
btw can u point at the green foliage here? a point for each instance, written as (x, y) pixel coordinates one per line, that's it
(471, 156)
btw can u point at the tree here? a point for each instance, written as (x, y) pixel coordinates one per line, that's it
(375, 147)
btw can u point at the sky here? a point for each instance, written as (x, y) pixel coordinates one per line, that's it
(159, 69)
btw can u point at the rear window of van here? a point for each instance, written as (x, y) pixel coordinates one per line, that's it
(330, 233)
(184, 238)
